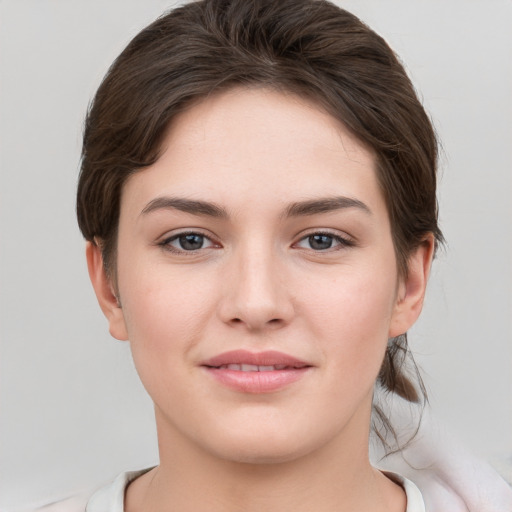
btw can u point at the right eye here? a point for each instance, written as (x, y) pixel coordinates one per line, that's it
(187, 242)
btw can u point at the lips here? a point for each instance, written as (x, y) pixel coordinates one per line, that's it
(269, 358)
(252, 367)
(260, 372)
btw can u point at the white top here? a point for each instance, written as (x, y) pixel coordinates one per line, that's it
(111, 497)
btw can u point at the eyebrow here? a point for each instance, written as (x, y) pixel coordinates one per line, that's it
(324, 205)
(296, 209)
(192, 206)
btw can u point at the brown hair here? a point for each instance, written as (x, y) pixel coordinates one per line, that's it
(307, 47)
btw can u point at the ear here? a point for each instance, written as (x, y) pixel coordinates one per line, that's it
(105, 292)
(411, 288)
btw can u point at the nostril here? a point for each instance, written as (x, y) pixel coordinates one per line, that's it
(273, 322)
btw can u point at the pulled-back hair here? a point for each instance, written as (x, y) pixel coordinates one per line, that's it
(310, 48)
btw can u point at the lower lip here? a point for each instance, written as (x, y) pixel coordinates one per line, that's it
(257, 382)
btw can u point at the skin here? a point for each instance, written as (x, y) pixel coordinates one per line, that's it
(259, 283)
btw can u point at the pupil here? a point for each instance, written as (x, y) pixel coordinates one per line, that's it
(191, 242)
(320, 242)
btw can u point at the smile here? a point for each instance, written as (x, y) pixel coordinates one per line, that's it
(254, 367)
(261, 372)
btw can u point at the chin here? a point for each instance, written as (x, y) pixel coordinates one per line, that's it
(262, 455)
(263, 446)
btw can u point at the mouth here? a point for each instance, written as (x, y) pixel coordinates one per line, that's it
(243, 367)
(243, 360)
(261, 372)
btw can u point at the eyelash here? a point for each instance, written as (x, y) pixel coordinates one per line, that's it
(166, 243)
(341, 242)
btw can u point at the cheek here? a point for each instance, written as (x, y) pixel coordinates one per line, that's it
(165, 313)
(351, 316)
(354, 298)
(165, 319)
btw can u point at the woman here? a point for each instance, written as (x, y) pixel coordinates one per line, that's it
(258, 195)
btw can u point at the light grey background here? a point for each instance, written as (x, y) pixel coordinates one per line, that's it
(73, 413)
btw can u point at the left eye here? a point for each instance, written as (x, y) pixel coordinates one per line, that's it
(188, 242)
(322, 242)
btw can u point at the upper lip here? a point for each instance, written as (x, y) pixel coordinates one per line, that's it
(266, 358)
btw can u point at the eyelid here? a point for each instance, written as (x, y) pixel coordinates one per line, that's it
(164, 241)
(344, 240)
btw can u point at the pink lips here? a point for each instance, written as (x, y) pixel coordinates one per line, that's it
(261, 372)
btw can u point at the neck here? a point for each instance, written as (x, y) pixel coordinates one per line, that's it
(335, 477)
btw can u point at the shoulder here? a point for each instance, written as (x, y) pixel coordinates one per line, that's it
(415, 501)
(111, 497)
(451, 478)
(448, 475)
(75, 503)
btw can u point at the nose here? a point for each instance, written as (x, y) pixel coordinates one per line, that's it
(256, 296)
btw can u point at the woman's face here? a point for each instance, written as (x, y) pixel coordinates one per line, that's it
(257, 279)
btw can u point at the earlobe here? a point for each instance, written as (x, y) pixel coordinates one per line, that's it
(105, 292)
(412, 288)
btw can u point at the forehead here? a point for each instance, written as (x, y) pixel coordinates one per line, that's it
(241, 121)
(249, 144)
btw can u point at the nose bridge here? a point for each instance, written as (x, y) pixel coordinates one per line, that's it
(256, 295)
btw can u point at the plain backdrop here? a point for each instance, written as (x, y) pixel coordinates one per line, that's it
(73, 413)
